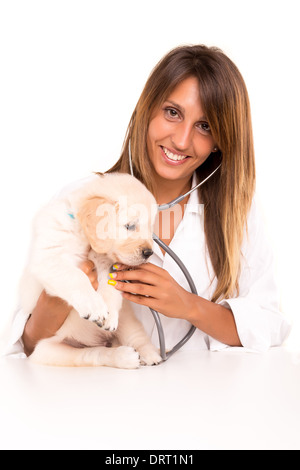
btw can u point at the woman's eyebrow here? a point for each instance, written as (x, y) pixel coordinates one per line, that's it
(176, 105)
(182, 110)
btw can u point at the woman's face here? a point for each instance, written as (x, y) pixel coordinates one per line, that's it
(179, 137)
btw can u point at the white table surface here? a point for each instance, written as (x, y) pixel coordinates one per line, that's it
(206, 400)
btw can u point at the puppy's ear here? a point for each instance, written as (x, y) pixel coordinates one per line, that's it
(95, 216)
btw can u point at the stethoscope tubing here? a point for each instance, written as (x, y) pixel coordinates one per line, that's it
(161, 336)
(167, 354)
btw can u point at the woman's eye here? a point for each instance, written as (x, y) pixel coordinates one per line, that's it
(171, 113)
(130, 227)
(204, 128)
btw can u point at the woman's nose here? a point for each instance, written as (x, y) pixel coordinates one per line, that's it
(182, 137)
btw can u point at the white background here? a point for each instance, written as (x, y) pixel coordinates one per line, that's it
(71, 72)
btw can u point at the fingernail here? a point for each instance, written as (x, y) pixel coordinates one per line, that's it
(112, 275)
(111, 282)
(115, 267)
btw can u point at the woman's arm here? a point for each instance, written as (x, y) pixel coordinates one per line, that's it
(215, 320)
(45, 320)
(50, 314)
(155, 288)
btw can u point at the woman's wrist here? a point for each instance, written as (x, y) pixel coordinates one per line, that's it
(192, 308)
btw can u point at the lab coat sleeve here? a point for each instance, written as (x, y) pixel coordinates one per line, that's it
(256, 310)
(14, 345)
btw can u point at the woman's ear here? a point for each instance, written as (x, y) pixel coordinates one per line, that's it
(96, 216)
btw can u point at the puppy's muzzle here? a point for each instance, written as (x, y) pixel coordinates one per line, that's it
(146, 252)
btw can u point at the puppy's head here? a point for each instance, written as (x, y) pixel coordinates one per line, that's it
(120, 225)
(93, 212)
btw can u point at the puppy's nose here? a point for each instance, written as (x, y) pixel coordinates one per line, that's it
(147, 253)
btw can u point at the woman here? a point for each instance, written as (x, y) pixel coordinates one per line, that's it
(194, 114)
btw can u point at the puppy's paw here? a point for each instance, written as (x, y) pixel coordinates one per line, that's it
(92, 308)
(112, 321)
(149, 355)
(126, 357)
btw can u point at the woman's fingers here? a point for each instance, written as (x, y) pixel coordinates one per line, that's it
(88, 267)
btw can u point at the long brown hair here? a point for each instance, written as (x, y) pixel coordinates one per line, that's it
(227, 196)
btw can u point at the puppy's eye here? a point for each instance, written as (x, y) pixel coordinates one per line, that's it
(130, 227)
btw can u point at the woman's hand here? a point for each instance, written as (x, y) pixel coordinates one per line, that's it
(89, 269)
(51, 312)
(153, 287)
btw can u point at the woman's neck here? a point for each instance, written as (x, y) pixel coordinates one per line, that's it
(167, 190)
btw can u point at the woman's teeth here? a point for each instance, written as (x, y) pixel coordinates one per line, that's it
(174, 156)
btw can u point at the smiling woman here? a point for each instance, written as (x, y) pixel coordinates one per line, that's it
(194, 114)
(193, 120)
(195, 104)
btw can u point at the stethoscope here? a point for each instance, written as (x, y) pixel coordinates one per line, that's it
(167, 354)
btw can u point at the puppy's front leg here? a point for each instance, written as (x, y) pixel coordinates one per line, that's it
(64, 280)
(132, 333)
(112, 298)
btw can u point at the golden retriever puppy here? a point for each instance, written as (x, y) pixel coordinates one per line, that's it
(108, 220)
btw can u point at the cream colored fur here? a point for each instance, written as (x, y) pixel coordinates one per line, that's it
(107, 220)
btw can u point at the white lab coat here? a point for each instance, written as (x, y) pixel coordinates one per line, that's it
(259, 322)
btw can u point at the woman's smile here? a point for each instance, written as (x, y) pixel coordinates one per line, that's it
(172, 157)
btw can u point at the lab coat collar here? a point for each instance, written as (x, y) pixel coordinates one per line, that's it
(192, 207)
